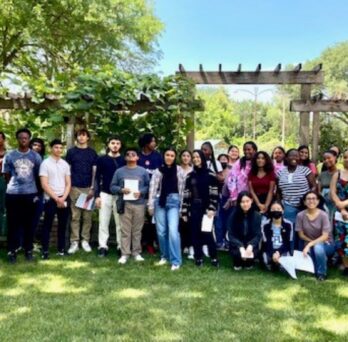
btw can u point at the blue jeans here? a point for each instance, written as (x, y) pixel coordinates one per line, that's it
(319, 253)
(221, 222)
(167, 226)
(290, 213)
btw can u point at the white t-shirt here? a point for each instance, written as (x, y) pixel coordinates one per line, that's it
(210, 166)
(55, 171)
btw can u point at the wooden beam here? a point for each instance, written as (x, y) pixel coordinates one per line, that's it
(319, 106)
(258, 68)
(181, 68)
(315, 136)
(277, 69)
(239, 70)
(201, 68)
(298, 68)
(249, 77)
(220, 68)
(304, 116)
(318, 67)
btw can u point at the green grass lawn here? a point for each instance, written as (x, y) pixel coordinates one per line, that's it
(82, 298)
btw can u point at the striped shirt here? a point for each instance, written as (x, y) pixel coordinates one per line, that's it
(294, 185)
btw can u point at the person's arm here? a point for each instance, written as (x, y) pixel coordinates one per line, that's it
(47, 188)
(115, 186)
(254, 242)
(319, 184)
(279, 195)
(146, 181)
(67, 187)
(186, 199)
(6, 168)
(341, 205)
(220, 177)
(255, 198)
(311, 182)
(153, 192)
(286, 245)
(322, 238)
(232, 229)
(91, 189)
(213, 195)
(270, 195)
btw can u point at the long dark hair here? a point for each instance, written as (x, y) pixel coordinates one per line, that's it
(308, 160)
(268, 168)
(243, 159)
(203, 159)
(239, 213)
(278, 148)
(213, 161)
(172, 149)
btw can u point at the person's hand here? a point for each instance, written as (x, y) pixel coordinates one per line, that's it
(341, 205)
(229, 203)
(276, 257)
(249, 250)
(344, 213)
(60, 202)
(184, 218)
(125, 191)
(90, 194)
(262, 208)
(136, 195)
(306, 250)
(98, 202)
(242, 252)
(210, 213)
(151, 212)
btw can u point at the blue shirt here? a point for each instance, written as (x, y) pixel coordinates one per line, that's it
(277, 240)
(81, 161)
(24, 170)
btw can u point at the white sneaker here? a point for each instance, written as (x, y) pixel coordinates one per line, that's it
(138, 258)
(191, 254)
(74, 247)
(161, 262)
(86, 247)
(175, 267)
(205, 251)
(185, 251)
(123, 259)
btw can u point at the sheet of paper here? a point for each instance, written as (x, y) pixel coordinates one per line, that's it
(133, 186)
(339, 217)
(247, 256)
(207, 224)
(83, 203)
(303, 263)
(288, 264)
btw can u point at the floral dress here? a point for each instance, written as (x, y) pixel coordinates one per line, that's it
(341, 227)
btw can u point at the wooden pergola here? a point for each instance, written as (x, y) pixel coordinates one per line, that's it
(306, 79)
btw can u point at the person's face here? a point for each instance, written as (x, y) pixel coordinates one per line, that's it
(186, 158)
(233, 153)
(246, 203)
(37, 147)
(196, 160)
(329, 160)
(278, 155)
(206, 151)
(23, 139)
(293, 158)
(223, 160)
(345, 160)
(248, 151)
(152, 145)
(276, 207)
(260, 160)
(131, 156)
(2, 140)
(169, 158)
(82, 138)
(304, 154)
(311, 201)
(57, 150)
(114, 146)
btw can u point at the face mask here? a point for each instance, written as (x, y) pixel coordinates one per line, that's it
(224, 165)
(276, 214)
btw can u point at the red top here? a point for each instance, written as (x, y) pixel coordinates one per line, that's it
(261, 185)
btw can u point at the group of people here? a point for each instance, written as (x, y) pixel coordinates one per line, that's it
(261, 206)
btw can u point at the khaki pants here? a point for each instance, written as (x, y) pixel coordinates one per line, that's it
(132, 222)
(77, 214)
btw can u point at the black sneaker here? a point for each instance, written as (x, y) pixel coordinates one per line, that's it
(345, 272)
(119, 252)
(12, 257)
(199, 262)
(215, 263)
(44, 256)
(61, 253)
(102, 252)
(29, 256)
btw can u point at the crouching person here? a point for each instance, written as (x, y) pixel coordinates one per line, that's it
(244, 231)
(56, 183)
(131, 183)
(276, 237)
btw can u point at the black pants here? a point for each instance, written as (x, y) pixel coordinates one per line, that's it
(20, 217)
(237, 258)
(198, 237)
(185, 234)
(50, 210)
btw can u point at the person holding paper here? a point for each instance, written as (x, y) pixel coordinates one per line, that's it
(339, 195)
(166, 188)
(244, 231)
(56, 183)
(276, 237)
(200, 198)
(131, 182)
(314, 229)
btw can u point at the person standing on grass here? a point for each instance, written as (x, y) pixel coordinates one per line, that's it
(278, 157)
(277, 235)
(339, 195)
(150, 160)
(244, 232)
(212, 164)
(56, 184)
(105, 201)
(315, 231)
(200, 198)
(262, 181)
(132, 219)
(83, 163)
(2, 181)
(165, 195)
(21, 169)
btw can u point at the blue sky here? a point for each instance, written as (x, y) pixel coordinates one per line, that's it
(247, 31)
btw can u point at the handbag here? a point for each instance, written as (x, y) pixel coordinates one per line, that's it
(120, 204)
